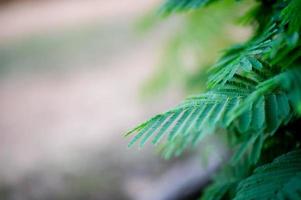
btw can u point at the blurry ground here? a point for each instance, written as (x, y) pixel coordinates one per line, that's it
(70, 76)
(69, 82)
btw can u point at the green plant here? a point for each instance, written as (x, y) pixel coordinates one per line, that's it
(194, 45)
(254, 93)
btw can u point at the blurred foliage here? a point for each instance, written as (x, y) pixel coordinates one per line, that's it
(193, 44)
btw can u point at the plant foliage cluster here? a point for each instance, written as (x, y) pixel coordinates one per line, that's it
(254, 94)
(192, 45)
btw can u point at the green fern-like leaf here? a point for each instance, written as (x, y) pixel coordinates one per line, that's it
(226, 181)
(251, 147)
(280, 92)
(254, 94)
(189, 119)
(183, 5)
(242, 58)
(218, 190)
(291, 15)
(290, 81)
(280, 179)
(249, 103)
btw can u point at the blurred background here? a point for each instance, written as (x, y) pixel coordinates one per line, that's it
(75, 75)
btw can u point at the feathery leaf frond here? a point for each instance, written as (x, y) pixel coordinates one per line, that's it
(183, 5)
(280, 179)
(248, 103)
(242, 58)
(254, 94)
(291, 16)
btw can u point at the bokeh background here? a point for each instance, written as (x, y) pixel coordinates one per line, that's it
(75, 75)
